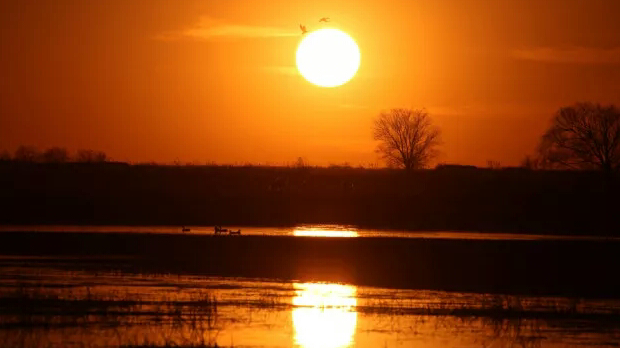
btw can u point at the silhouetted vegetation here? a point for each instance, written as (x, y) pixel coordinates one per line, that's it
(448, 198)
(531, 163)
(583, 136)
(53, 155)
(181, 321)
(27, 154)
(162, 310)
(407, 138)
(90, 156)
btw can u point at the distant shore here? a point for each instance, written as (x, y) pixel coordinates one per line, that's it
(562, 268)
(453, 198)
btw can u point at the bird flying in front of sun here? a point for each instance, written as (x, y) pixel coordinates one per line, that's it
(327, 57)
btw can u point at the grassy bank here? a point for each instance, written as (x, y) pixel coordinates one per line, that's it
(510, 200)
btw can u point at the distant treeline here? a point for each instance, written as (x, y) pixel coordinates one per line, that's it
(53, 155)
(447, 198)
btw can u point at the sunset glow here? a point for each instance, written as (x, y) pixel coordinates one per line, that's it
(328, 57)
(255, 173)
(219, 81)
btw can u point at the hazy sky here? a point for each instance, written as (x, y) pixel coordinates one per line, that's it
(215, 81)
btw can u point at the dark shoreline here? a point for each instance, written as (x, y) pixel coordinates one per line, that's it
(563, 268)
(508, 200)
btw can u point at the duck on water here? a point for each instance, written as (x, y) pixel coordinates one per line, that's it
(220, 230)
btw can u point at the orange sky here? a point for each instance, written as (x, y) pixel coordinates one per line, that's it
(215, 81)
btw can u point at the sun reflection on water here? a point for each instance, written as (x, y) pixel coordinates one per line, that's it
(325, 231)
(324, 315)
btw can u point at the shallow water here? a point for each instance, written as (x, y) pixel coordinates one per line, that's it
(55, 305)
(301, 231)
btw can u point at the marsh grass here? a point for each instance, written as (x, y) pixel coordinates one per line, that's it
(32, 305)
(497, 307)
(32, 316)
(194, 317)
(38, 307)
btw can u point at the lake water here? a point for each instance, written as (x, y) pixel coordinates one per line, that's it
(54, 304)
(302, 230)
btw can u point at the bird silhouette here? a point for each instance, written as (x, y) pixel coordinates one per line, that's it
(303, 29)
(324, 19)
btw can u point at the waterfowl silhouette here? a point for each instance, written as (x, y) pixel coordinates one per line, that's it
(219, 229)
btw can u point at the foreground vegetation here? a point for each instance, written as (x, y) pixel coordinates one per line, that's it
(35, 311)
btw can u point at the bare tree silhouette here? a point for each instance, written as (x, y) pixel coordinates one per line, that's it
(495, 165)
(407, 137)
(55, 155)
(530, 162)
(5, 156)
(583, 136)
(301, 163)
(27, 154)
(90, 156)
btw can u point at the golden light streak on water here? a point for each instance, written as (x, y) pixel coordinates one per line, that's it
(324, 232)
(324, 315)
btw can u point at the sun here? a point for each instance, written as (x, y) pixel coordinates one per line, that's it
(328, 57)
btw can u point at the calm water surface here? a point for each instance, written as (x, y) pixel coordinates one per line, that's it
(49, 305)
(302, 230)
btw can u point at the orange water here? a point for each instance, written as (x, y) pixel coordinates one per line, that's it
(268, 313)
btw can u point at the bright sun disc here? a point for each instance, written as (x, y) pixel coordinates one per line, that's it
(328, 57)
